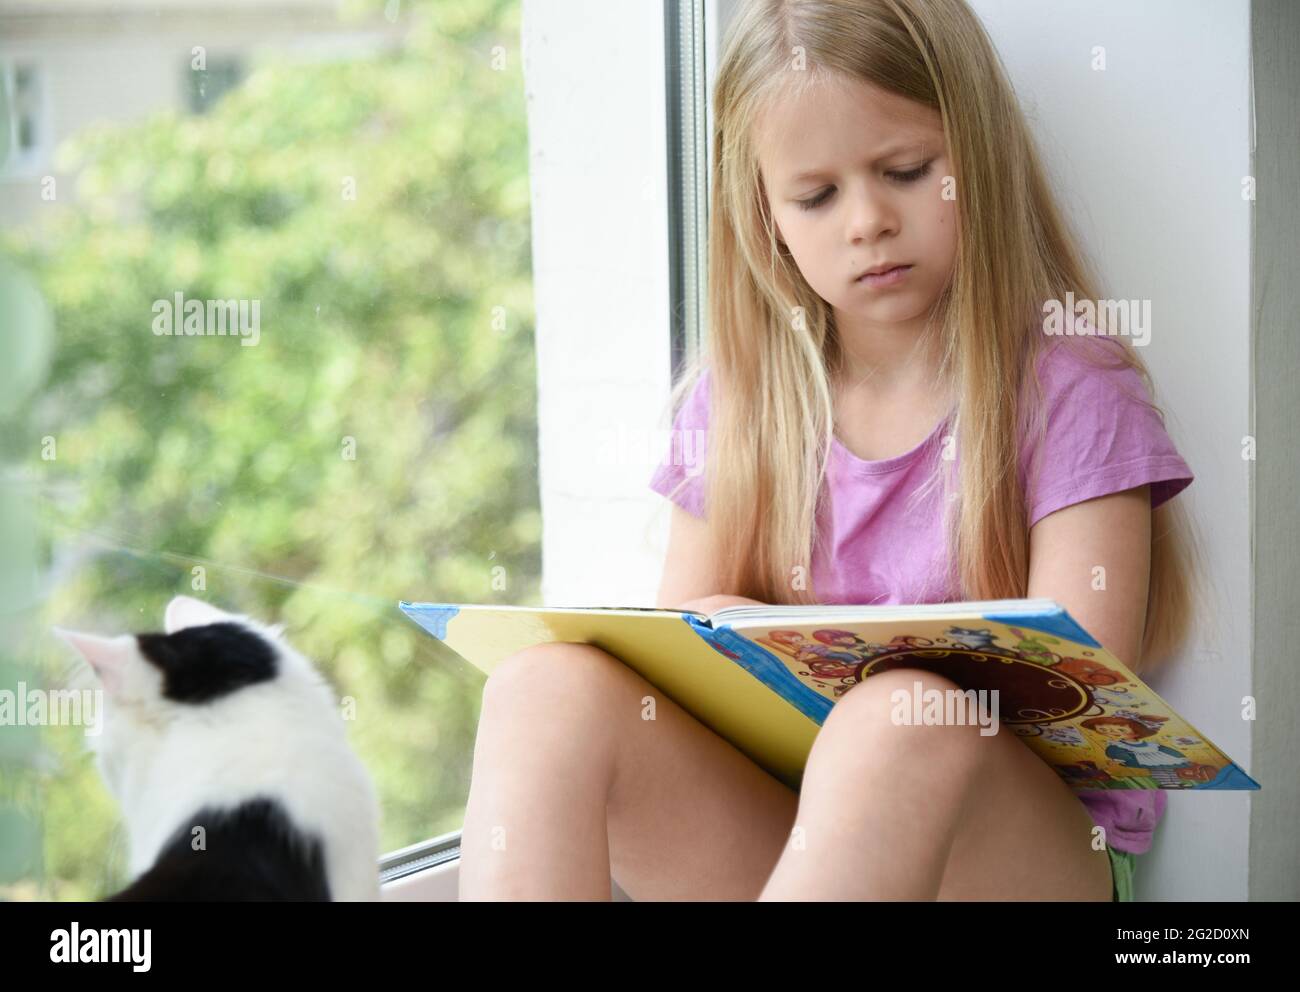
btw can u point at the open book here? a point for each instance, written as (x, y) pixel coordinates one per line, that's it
(765, 677)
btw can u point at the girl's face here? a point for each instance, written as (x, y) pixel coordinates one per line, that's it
(1117, 731)
(854, 178)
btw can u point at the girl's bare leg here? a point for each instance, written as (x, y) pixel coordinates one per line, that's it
(570, 779)
(923, 812)
(543, 763)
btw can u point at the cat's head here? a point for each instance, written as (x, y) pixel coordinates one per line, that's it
(208, 667)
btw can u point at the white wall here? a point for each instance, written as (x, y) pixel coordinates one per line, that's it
(1150, 154)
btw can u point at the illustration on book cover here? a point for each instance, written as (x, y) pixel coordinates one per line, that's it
(1098, 725)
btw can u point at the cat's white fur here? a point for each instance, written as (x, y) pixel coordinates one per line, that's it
(283, 739)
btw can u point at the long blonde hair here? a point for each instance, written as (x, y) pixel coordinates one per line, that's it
(772, 348)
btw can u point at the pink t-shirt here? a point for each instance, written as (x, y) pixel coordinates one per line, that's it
(1099, 439)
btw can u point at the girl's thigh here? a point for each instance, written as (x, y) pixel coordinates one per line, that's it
(690, 816)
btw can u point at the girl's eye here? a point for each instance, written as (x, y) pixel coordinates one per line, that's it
(816, 201)
(920, 172)
(910, 176)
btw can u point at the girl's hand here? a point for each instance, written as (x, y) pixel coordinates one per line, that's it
(711, 604)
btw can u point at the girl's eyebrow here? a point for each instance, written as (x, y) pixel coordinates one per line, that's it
(900, 147)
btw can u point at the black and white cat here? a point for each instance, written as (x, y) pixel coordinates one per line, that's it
(226, 751)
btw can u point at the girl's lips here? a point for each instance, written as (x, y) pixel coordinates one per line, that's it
(890, 278)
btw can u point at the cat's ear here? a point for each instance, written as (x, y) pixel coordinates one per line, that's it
(108, 656)
(185, 611)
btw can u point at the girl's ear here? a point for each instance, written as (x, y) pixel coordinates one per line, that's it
(185, 611)
(108, 656)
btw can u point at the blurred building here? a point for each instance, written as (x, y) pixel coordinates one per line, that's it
(68, 64)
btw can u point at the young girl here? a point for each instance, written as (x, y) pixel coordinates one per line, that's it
(912, 436)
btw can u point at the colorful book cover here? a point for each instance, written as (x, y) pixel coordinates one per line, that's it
(765, 678)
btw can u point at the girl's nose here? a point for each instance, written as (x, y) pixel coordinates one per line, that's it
(872, 214)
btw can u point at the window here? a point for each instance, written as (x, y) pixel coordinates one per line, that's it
(24, 116)
(369, 435)
(205, 85)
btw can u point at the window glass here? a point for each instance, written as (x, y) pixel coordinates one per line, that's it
(344, 416)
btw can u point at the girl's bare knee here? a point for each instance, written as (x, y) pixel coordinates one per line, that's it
(552, 704)
(879, 696)
(883, 710)
(545, 671)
